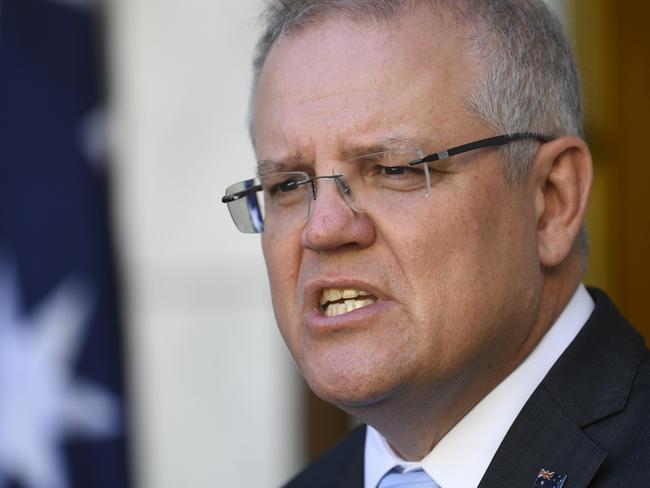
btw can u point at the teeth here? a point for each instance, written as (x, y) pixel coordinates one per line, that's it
(340, 308)
(352, 299)
(330, 295)
(350, 293)
(334, 294)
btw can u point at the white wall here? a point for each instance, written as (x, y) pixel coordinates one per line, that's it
(213, 386)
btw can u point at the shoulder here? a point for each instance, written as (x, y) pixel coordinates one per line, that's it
(610, 399)
(588, 419)
(626, 436)
(341, 466)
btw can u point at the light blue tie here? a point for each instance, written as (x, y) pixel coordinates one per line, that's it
(412, 479)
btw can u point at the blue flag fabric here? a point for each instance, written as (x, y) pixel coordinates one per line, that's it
(62, 405)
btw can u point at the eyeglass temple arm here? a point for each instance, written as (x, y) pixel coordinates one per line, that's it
(240, 194)
(483, 143)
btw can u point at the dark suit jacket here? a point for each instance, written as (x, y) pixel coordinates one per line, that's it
(589, 419)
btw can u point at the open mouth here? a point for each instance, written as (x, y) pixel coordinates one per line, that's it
(337, 301)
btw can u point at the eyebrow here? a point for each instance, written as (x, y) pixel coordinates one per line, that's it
(383, 144)
(294, 162)
(299, 162)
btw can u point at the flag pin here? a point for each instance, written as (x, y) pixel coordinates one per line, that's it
(549, 479)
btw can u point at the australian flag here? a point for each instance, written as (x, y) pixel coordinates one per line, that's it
(62, 404)
(549, 479)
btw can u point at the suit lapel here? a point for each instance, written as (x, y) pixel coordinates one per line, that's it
(590, 381)
(543, 437)
(351, 474)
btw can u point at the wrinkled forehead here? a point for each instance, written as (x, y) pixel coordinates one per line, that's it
(358, 77)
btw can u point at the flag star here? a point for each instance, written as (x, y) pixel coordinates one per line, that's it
(42, 402)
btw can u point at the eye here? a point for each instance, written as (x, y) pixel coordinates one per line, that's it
(398, 171)
(390, 170)
(288, 185)
(285, 186)
(394, 170)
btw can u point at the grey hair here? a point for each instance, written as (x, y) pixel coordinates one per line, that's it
(528, 79)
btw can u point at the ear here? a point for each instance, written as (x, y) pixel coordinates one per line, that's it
(562, 177)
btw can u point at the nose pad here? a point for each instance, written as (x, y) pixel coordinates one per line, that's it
(332, 225)
(342, 185)
(317, 190)
(346, 192)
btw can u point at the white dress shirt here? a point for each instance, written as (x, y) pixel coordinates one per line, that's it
(462, 456)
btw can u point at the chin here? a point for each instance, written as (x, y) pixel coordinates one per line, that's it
(352, 401)
(350, 389)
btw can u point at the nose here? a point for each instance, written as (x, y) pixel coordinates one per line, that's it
(333, 224)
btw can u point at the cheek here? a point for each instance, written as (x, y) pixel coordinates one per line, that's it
(464, 265)
(282, 258)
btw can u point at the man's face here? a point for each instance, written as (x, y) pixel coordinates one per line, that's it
(454, 278)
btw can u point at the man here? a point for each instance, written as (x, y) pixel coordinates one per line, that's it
(433, 293)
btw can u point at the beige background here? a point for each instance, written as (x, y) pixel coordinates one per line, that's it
(215, 393)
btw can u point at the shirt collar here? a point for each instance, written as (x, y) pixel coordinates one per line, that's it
(462, 456)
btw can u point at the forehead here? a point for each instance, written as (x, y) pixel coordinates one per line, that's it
(342, 83)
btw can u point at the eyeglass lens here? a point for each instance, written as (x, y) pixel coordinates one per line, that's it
(374, 182)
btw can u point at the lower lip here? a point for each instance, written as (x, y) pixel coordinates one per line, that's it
(317, 322)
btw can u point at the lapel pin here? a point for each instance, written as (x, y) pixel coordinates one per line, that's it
(549, 479)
